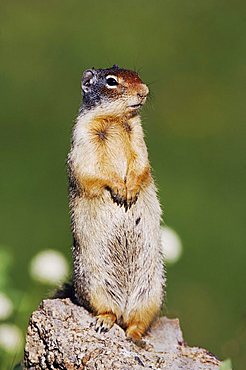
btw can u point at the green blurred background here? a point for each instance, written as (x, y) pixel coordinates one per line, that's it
(192, 54)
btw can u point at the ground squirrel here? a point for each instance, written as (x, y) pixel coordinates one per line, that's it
(115, 213)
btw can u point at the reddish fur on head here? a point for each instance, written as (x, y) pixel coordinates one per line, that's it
(113, 85)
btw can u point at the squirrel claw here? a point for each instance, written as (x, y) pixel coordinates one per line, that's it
(117, 198)
(100, 327)
(130, 202)
(104, 323)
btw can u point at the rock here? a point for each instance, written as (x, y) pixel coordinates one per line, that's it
(61, 335)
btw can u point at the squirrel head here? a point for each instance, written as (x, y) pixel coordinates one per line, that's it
(117, 90)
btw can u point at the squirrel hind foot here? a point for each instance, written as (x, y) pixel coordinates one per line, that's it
(105, 322)
(134, 334)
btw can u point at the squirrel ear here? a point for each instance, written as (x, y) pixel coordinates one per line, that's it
(88, 78)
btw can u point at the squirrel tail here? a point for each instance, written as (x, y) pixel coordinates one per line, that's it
(66, 290)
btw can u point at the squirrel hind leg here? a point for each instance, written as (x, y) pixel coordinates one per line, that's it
(138, 322)
(105, 321)
(135, 331)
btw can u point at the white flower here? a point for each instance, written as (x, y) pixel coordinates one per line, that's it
(171, 244)
(11, 339)
(49, 266)
(6, 306)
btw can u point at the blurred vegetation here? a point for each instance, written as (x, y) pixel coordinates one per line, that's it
(192, 55)
(226, 365)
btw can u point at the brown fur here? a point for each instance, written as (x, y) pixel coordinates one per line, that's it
(101, 131)
(118, 268)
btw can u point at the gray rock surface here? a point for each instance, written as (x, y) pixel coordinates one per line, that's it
(61, 335)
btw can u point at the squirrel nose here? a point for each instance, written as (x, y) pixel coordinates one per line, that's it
(141, 95)
(143, 92)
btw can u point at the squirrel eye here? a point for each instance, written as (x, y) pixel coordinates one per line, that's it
(111, 81)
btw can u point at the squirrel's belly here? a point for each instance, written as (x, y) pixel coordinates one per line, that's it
(120, 249)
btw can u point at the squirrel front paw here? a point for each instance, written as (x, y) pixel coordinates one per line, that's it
(125, 193)
(118, 192)
(131, 197)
